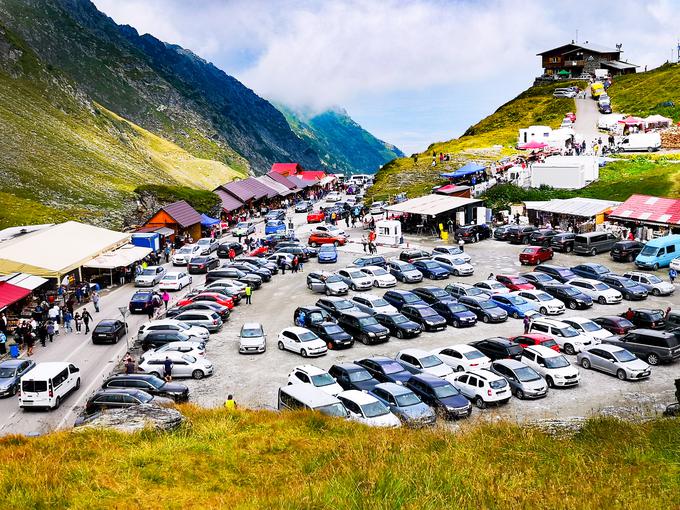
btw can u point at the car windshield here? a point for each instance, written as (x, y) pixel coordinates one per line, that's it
(570, 291)
(170, 277)
(186, 249)
(333, 329)
(568, 331)
(429, 264)
(104, 328)
(601, 286)
(474, 291)
(148, 271)
(368, 321)
(656, 315)
(359, 375)
(407, 399)
(144, 397)
(445, 390)
(527, 374)
(411, 298)
(427, 312)
(7, 372)
(556, 362)
(322, 380)
(377, 303)
(337, 410)
(486, 304)
(652, 278)
(473, 354)
(399, 319)
(457, 308)
(498, 384)
(155, 381)
(439, 293)
(458, 262)
(357, 274)
(392, 368)
(628, 283)
(543, 296)
(624, 356)
(408, 267)
(333, 279)
(516, 300)
(327, 247)
(649, 251)
(430, 361)
(374, 409)
(242, 225)
(199, 260)
(542, 277)
(307, 336)
(251, 333)
(496, 285)
(590, 326)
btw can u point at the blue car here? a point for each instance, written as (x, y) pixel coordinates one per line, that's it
(275, 214)
(399, 298)
(456, 314)
(440, 395)
(431, 269)
(327, 254)
(275, 227)
(385, 369)
(141, 301)
(516, 306)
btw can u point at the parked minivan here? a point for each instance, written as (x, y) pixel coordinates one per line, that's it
(594, 242)
(641, 142)
(304, 396)
(48, 384)
(659, 252)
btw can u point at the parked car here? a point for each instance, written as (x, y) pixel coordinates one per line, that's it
(275, 214)
(305, 316)
(545, 303)
(630, 290)
(331, 333)
(336, 306)
(399, 298)
(604, 108)
(243, 229)
(538, 279)
(404, 404)
(568, 338)
(207, 245)
(372, 304)
(654, 285)
(452, 251)
(458, 290)
(214, 297)
(353, 377)
(316, 217)
(329, 229)
(47, 384)
(250, 269)
(571, 296)
(497, 347)
(587, 327)
(315, 376)
(204, 318)
(193, 347)
(614, 360)
(524, 381)
(333, 196)
(206, 306)
(370, 260)
(328, 254)
(559, 273)
(364, 328)
(647, 318)
(626, 251)
(563, 242)
(658, 252)
(232, 273)
(454, 265)
(202, 264)
(303, 206)
(154, 386)
(533, 255)
(521, 234)
(483, 387)
(381, 278)
(431, 294)
(462, 357)
(554, 367)
(321, 238)
(274, 227)
(590, 271)
(183, 365)
(455, 314)
(501, 233)
(355, 279)
(11, 372)
(399, 325)
(141, 302)
(491, 287)
(441, 395)
(423, 362)
(431, 269)
(404, 271)
(327, 283)
(410, 255)
(193, 332)
(528, 339)
(614, 324)
(486, 310)
(301, 341)
(515, 305)
(593, 243)
(514, 283)
(425, 316)
(182, 256)
(473, 233)
(385, 369)
(542, 236)
(365, 408)
(121, 398)
(597, 290)
(223, 249)
(651, 345)
(252, 338)
(175, 280)
(108, 331)
(150, 276)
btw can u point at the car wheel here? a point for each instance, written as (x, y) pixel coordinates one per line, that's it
(543, 311)
(57, 403)
(626, 295)
(479, 402)
(336, 244)
(567, 248)
(456, 324)
(550, 382)
(572, 305)
(653, 359)
(280, 345)
(460, 368)
(569, 349)
(655, 292)
(180, 287)
(328, 292)
(314, 245)
(621, 374)
(602, 300)
(515, 315)
(486, 319)
(526, 240)
(197, 374)
(354, 287)
(585, 363)
(655, 267)
(519, 394)
(456, 273)
(400, 334)
(593, 252)
(303, 353)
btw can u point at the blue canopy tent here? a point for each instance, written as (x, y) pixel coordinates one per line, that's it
(469, 169)
(207, 221)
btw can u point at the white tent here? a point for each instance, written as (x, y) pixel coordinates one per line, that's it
(24, 280)
(121, 257)
(658, 121)
(431, 205)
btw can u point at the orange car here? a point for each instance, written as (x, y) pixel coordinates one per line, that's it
(318, 238)
(316, 217)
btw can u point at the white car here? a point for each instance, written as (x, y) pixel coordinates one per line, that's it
(482, 386)
(225, 283)
(492, 287)
(451, 250)
(599, 291)
(301, 341)
(330, 229)
(381, 278)
(377, 208)
(372, 304)
(355, 279)
(252, 338)
(194, 349)
(150, 276)
(588, 327)
(333, 196)
(317, 377)
(463, 357)
(553, 366)
(175, 280)
(183, 365)
(454, 264)
(194, 332)
(185, 254)
(569, 340)
(425, 361)
(367, 409)
(546, 304)
(655, 285)
(675, 264)
(243, 229)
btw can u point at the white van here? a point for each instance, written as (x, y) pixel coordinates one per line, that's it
(305, 396)
(641, 142)
(48, 384)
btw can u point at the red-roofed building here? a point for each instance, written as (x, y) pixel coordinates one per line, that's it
(286, 169)
(649, 210)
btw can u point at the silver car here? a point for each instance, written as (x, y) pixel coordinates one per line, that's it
(654, 285)
(614, 360)
(252, 339)
(524, 381)
(405, 404)
(150, 276)
(209, 320)
(327, 283)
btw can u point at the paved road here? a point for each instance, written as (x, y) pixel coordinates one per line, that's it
(586, 118)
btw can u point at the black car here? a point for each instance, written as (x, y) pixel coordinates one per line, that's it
(399, 325)
(563, 242)
(331, 333)
(385, 369)
(441, 395)
(501, 233)
(571, 296)
(626, 251)
(198, 265)
(649, 344)
(425, 316)
(628, 288)
(485, 309)
(399, 298)
(261, 263)
(590, 270)
(473, 233)
(456, 314)
(336, 306)
(304, 316)
(647, 318)
(209, 306)
(370, 260)
(249, 268)
(108, 331)
(149, 383)
(158, 338)
(432, 294)
(604, 108)
(231, 273)
(412, 254)
(539, 279)
(542, 237)
(364, 328)
(223, 249)
(559, 273)
(298, 251)
(353, 377)
(117, 399)
(498, 347)
(521, 235)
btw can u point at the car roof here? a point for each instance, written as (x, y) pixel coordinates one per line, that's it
(552, 322)
(430, 380)
(485, 374)
(606, 347)
(252, 325)
(296, 329)
(393, 388)
(462, 348)
(358, 397)
(131, 376)
(369, 297)
(107, 322)
(11, 363)
(309, 369)
(498, 339)
(578, 320)
(349, 366)
(418, 353)
(400, 292)
(358, 315)
(512, 364)
(542, 350)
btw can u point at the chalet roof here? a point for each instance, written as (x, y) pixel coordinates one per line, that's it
(568, 48)
(617, 64)
(282, 179)
(182, 213)
(229, 202)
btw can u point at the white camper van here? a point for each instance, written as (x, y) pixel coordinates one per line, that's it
(48, 384)
(640, 142)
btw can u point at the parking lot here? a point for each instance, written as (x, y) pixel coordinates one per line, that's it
(255, 379)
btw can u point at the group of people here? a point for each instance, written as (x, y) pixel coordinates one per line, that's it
(368, 243)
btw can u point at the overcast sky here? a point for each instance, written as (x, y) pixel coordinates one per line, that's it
(411, 72)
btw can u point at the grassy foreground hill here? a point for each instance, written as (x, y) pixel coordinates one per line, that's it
(261, 460)
(649, 93)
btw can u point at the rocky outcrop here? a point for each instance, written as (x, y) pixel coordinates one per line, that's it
(136, 418)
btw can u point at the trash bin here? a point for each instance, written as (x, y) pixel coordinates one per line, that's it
(14, 350)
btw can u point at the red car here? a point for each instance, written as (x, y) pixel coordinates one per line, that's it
(513, 282)
(260, 251)
(535, 255)
(571, 116)
(536, 339)
(315, 217)
(215, 297)
(317, 238)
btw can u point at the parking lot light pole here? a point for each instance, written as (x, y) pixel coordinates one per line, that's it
(125, 312)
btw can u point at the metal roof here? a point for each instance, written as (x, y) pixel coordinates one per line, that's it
(261, 189)
(281, 189)
(432, 205)
(578, 206)
(229, 202)
(282, 179)
(617, 64)
(182, 213)
(596, 48)
(648, 209)
(24, 280)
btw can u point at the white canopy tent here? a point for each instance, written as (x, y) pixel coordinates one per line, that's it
(431, 205)
(24, 280)
(121, 257)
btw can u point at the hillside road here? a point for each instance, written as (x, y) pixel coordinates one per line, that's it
(586, 118)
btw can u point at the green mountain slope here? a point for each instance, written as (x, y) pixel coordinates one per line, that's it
(649, 93)
(342, 144)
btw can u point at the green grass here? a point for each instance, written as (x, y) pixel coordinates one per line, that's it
(203, 201)
(642, 94)
(267, 460)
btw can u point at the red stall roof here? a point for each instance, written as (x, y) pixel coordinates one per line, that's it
(286, 168)
(648, 209)
(10, 294)
(311, 175)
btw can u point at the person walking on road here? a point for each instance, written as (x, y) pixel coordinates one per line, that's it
(364, 242)
(50, 330)
(249, 293)
(167, 369)
(129, 364)
(78, 320)
(30, 341)
(86, 320)
(672, 275)
(95, 300)
(166, 299)
(68, 326)
(527, 323)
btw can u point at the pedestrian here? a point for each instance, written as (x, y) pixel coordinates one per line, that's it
(301, 266)
(672, 275)
(249, 293)
(295, 264)
(149, 310)
(630, 314)
(230, 404)
(95, 301)
(129, 364)
(166, 252)
(166, 299)
(50, 330)
(527, 323)
(301, 319)
(167, 369)
(354, 221)
(3, 322)
(86, 320)
(364, 242)
(282, 265)
(29, 339)
(3, 341)
(68, 317)
(78, 320)
(668, 313)
(461, 245)
(450, 225)
(232, 254)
